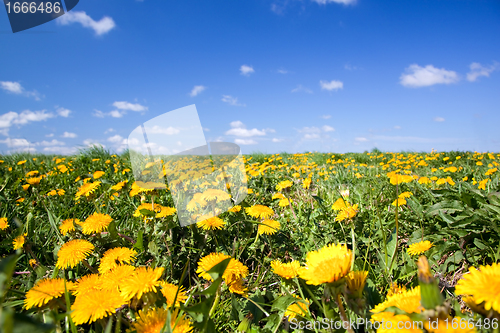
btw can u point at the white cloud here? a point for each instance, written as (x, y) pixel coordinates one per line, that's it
(477, 70)
(343, 2)
(439, 119)
(350, 67)
(116, 139)
(49, 135)
(15, 143)
(116, 114)
(277, 140)
(360, 139)
(98, 113)
(397, 127)
(327, 128)
(197, 90)
(63, 112)
(331, 85)
(239, 129)
(13, 118)
(231, 100)
(54, 142)
(206, 129)
(12, 87)
(311, 136)
(245, 141)
(311, 129)
(246, 70)
(301, 88)
(413, 139)
(130, 106)
(282, 71)
(16, 88)
(101, 27)
(162, 130)
(92, 143)
(68, 135)
(326, 116)
(416, 76)
(109, 130)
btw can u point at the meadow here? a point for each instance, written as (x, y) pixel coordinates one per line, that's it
(323, 242)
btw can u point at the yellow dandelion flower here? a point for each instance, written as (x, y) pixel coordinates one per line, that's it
(68, 225)
(166, 211)
(113, 257)
(98, 174)
(347, 213)
(306, 183)
(153, 321)
(143, 280)
(407, 301)
(278, 196)
(45, 290)
(259, 211)
(424, 180)
(88, 283)
(26, 187)
(32, 173)
(215, 194)
(356, 282)
(328, 264)
(482, 184)
(234, 209)
(268, 227)
(339, 204)
(299, 308)
(405, 195)
(391, 322)
(211, 223)
(419, 248)
(4, 224)
(34, 180)
(61, 192)
(96, 304)
(237, 287)
(119, 185)
(234, 270)
(114, 278)
(21, 162)
(96, 223)
(483, 285)
(284, 202)
(399, 202)
(285, 270)
(283, 185)
(72, 252)
(169, 290)
(18, 242)
(87, 189)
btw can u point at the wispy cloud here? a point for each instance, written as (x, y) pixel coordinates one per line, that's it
(69, 135)
(246, 70)
(301, 88)
(477, 70)
(17, 88)
(231, 100)
(197, 90)
(326, 116)
(282, 71)
(13, 118)
(101, 27)
(63, 112)
(331, 85)
(127, 106)
(327, 128)
(245, 141)
(416, 76)
(343, 2)
(239, 129)
(439, 119)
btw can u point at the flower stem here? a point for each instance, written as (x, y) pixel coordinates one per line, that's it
(343, 315)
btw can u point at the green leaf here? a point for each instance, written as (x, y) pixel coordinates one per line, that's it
(147, 212)
(138, 244)
(7, 266)
(52, 221)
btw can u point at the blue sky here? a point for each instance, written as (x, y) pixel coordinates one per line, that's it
(269, 75)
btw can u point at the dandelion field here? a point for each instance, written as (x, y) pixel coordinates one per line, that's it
(320, 240)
